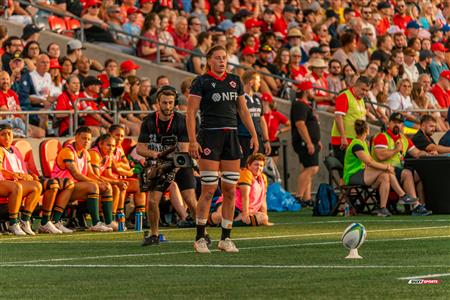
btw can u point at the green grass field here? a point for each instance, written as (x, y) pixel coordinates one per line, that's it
(301, 257)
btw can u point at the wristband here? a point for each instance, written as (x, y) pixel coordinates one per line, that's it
(266, 141)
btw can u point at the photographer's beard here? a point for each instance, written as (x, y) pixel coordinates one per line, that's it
(167, 112)
(396, 130)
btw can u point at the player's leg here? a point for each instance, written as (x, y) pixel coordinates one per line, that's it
(32, 191)
(51, 188)
(66, 186)
(139, 198)
(154, 197)
(106, 194)
(13, 191)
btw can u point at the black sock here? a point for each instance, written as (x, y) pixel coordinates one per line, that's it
(225, 233)
(200, 232)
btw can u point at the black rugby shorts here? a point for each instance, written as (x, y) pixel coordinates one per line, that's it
(219, 144)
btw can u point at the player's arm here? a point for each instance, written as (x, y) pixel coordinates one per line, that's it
(119, 168)
(142, 149)
(246, 118)
(265, 135)
(70, 166)
(7, 174)
(437, 148)
(191, 113)
(245, 198)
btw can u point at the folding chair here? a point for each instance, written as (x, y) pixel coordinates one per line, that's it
(360, 197)
(27, 153)
(67, 142)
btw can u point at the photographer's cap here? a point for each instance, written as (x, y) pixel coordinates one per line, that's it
(397, 117)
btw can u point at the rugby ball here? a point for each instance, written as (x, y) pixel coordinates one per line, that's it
(353, 236)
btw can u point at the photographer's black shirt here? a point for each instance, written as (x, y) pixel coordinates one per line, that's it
(152, 130)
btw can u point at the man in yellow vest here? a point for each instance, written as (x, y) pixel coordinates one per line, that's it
(349, 108)
(391, 147)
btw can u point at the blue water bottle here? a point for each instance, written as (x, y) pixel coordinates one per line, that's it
(346, 209)
(138, 218)
(121, 221)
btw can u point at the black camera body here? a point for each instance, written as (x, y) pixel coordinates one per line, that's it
(158, 174)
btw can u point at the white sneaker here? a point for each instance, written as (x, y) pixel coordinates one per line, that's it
(49, 228)
(201, 246)
(228, 246)
(100, 227)
(26, 227)
(16, 230)
(62, 228)
(113, 225)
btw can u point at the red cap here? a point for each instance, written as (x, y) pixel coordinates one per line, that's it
(438, 47)
(54, 64)
(445, 74)
(91, 3)
(128, 65)
(305, 85)
(147, 1)
(248, 51)
(267, 97)
(132, 10)
(250, 23)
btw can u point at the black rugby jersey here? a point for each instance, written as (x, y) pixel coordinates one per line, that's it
(255, 109)
(151, 132)
(218, 106)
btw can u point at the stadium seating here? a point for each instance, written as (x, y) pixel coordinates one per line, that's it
(48, 151)
(27, 153)
(67, 142)
(127, 144)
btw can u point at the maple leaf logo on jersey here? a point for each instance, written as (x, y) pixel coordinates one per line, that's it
(207, 151)
(213, 85)
(233, 84)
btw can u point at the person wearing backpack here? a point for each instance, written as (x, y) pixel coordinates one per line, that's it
(306, 141)
(361, 169)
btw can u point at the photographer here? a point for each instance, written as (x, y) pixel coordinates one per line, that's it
(157, 129)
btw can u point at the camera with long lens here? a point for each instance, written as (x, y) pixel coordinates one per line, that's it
(158, 174)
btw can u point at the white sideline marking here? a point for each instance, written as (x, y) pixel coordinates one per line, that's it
(425, 276)
(225, 266)
(192, 252)
(29, 241)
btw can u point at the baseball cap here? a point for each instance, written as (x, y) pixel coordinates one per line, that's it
(331, 14)
(396, 116)
(16, 55)
(248, 51)
(266, 97)
(226, 24)
(91, 80)
(424, 54)
(74, 45)
(147, 1)
(315, 6)
(305, 85)
(438, 47)
(413, 24)
(54, 64)
(91, 3)
(132, 10)
(289, 8)
(269, 11)
(265, 48)
(128, 65)
(5, 126)
(445, 74)
(445, 28)
(250, 23)
(244, 13)
(29, 30)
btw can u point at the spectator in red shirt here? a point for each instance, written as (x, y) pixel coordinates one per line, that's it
(144, 48)
(66, 101)
(9, 101)
(385, 9)
(95, 121)
(110, 70)
(283, 16)
(441, 89)
(216, 13)
(128, 68)
(274, 119)
(401, 19)
(181, 36)
(296, 71)
(318, 79)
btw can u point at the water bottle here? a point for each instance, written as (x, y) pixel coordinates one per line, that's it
(50, 131)
(121, 221)
(139, 216)
(346, 209)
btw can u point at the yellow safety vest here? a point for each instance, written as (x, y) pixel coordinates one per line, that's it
(356, 111)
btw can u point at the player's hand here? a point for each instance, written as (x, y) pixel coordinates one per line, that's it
(195, 149)
(344, 142)
(310, 148)
(267, 148)
(320, 146)
(398, 146)
(28, 177)
(246, 219)
(254, 144)
(391, 169)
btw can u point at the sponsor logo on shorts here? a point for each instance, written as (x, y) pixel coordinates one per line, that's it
(233, 84)
(207, 151)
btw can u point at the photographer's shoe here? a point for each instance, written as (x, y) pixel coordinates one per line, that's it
(201, 246)
(150, 240)
(228, 246)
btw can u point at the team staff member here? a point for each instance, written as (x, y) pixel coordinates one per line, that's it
(220, 97)
(164, 123)
(305, 140)
(74, 162)
(391, 147)
(423, 138)
(252, 82)
(349, 108)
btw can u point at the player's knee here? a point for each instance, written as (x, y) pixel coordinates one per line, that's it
(37, 187)
(68, 184)
(209, 178)
(229, 177)
(384, 177)
(93, 188)
(52, 184)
